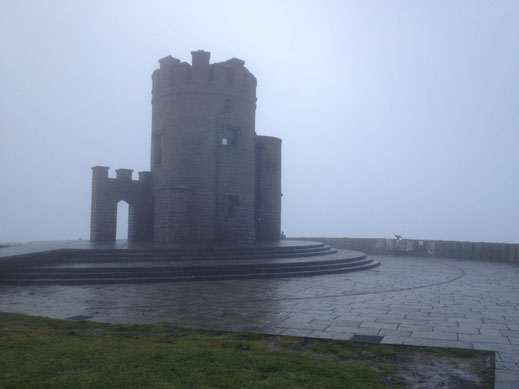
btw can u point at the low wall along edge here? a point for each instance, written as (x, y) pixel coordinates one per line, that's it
(484, 251)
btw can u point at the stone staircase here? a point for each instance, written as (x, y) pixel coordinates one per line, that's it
(173, 264)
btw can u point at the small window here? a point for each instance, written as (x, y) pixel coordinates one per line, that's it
(230, 137)
(233, 203)
(156, 145)
(211, 74)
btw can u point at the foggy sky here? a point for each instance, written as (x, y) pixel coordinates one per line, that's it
(397, 117)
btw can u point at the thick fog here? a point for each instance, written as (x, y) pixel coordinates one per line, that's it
(397, 117)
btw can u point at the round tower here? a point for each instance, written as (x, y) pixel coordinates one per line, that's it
(203, 150)
(268, 188)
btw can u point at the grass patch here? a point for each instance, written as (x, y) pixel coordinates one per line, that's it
(46, 353)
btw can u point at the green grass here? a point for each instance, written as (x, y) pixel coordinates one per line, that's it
(45, 353)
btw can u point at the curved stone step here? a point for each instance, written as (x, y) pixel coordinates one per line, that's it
(60, 281)
(197, 257)
(202, 249)
(181, 271)
(86, 256)
(161, 264)
(203, 252)
(336, 257)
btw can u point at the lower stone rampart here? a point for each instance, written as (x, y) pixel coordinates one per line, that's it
(484, 251)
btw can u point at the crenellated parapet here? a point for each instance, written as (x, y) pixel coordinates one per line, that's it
(107, 192)
(230, 78)
(203, 139)
(100, 174)
(211, 178)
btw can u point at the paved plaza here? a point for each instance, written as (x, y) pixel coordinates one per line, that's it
(406, 300)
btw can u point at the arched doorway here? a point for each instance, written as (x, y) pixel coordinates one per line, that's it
(122, 220)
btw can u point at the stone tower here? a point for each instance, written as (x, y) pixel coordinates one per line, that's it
(212, 178)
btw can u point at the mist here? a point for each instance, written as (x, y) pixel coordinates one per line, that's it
(397, 117)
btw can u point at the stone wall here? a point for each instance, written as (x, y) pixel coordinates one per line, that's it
(268, 188)
(107, 192)
(207, 181)
(203, 139)
(493, 252)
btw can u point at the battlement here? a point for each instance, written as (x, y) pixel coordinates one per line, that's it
(100, 174)
(212, 177)
(229, 78)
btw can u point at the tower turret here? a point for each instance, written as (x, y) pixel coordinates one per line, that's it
(203, 147)
(211, 178)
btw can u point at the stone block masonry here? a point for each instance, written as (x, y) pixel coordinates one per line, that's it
(107, 192)
(211, 178)
(492, 252)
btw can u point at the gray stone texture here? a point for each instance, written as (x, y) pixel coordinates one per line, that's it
(491, 252)
(268, 188)
(212, 178)
(107, 192)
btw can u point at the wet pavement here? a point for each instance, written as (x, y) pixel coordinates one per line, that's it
(406, 300)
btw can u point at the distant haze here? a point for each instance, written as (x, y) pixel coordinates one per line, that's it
(397, 117)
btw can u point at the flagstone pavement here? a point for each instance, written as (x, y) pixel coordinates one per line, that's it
(407, 300)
